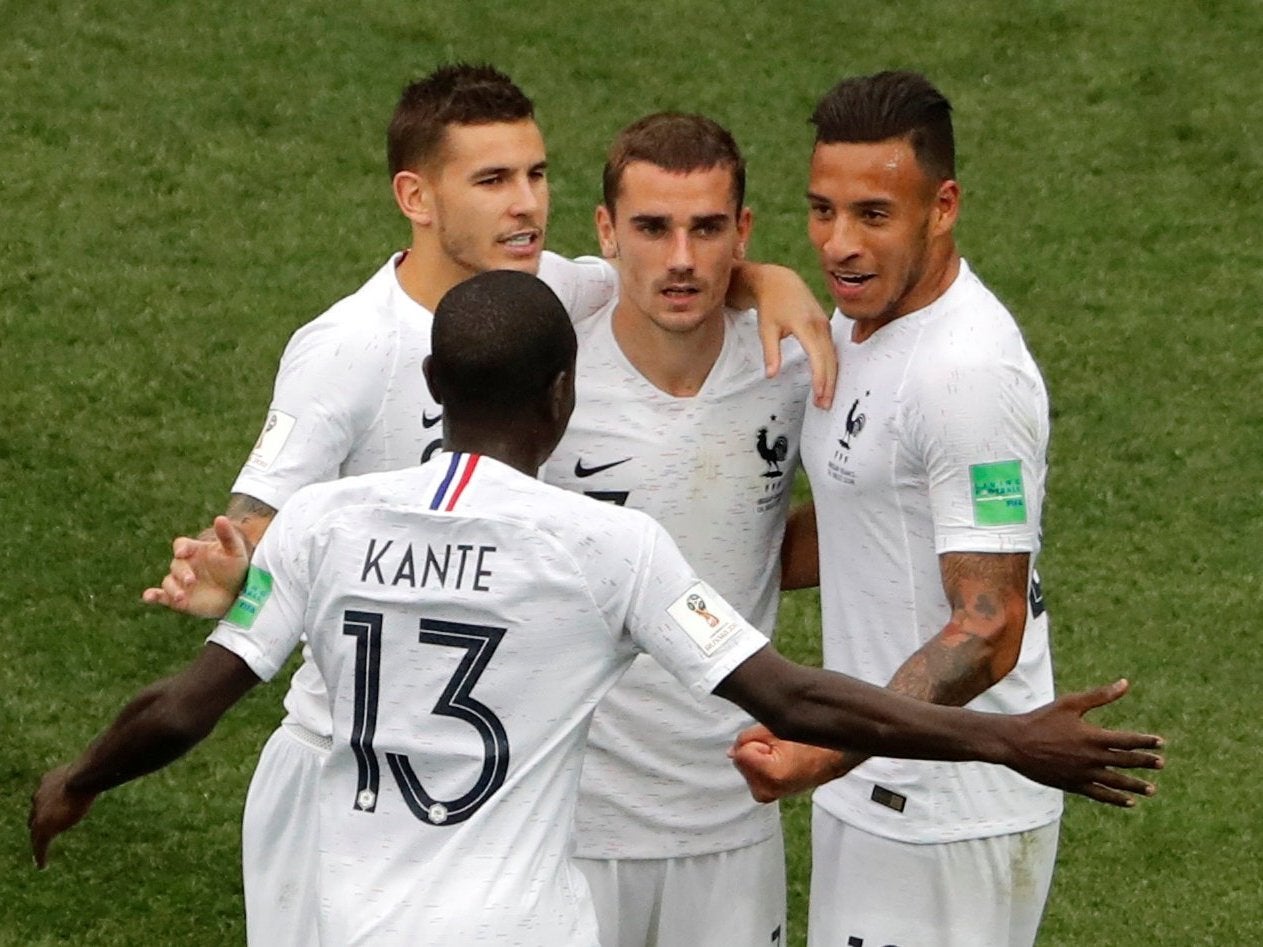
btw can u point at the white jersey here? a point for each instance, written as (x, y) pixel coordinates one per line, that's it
(716, 470)
(466, 618)
(936, 443)
(350, 398)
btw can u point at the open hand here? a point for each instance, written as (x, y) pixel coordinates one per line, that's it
(206, 573)
(1057, 747)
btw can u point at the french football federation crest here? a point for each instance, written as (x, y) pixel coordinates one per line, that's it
(774, 453)
(854, 423)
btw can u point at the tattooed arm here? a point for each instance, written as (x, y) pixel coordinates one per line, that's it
(251, 516)
(206, 573)
(980, 643)
(977, 647)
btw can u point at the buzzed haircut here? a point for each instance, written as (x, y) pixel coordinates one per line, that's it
(458, 94)
(891, 105)
(498, 342)
(678, 142)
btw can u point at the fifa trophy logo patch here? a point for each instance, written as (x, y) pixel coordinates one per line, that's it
(705, 617)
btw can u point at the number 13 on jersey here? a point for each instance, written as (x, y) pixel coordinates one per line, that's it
(479, 643)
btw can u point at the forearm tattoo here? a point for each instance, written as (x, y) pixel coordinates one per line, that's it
(241, 506)
(987, 592)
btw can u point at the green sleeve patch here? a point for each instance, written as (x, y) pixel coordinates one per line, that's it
(254, 593)
(999, 495)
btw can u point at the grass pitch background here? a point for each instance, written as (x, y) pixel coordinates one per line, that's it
(182, 186)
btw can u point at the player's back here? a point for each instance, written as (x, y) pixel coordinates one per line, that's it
(465, 645)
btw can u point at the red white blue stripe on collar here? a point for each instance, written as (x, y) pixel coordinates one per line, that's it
(459, 470)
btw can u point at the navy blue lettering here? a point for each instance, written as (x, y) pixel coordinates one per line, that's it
(481, 573)
(440, 571)
(406, 569)
(372, 563)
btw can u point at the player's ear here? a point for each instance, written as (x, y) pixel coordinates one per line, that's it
(745, 225)
(605, 232)
(946, 208)
(415, 197)
(561, 400)
(427, 369)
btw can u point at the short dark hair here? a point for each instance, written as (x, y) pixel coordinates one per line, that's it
(498, 341)
(674, 141)
(891, 105)
(457, 94)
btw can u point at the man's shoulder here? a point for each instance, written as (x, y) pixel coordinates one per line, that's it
(583, 284)
(593, 328)
(742, 326)
(971, 309)
(371, 302)
(365, 322)
(970, 330)
(579, 522)
(311, 502)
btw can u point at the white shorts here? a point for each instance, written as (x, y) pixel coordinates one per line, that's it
(868, 891)
(279, 848)
(728, 899)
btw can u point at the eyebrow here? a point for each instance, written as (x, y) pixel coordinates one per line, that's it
(500, 169)
(693, 221)
(872, 203)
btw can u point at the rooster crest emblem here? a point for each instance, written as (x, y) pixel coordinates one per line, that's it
(854, 424)
(773, 453)
(697, 604)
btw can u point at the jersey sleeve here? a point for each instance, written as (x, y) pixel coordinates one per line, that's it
(328, 390)
(584, 285)
(681, 621)
(981, 433)
(266, 622)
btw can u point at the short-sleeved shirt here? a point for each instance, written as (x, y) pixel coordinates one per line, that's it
(716, 470)
(350, 398)
(466, 619)
(936, 443)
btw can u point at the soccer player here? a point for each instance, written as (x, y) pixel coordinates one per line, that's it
(928, 481)
(468, 170)
(466, 618)
(674, 417)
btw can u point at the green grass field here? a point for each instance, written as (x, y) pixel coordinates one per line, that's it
(181, 186)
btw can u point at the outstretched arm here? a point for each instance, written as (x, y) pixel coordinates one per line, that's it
(1051, 745)
(159, 725)
(977, 647)
(787, 307)
(206, 573)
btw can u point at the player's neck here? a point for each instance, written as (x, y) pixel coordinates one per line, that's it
(677, 363)
(426, 274)
(943, 266)
(519, 448)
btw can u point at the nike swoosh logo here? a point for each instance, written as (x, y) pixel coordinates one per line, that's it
(582, 471)
(429, 422)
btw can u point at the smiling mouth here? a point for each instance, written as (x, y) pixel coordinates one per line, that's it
(853, 279)
(520, 240)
